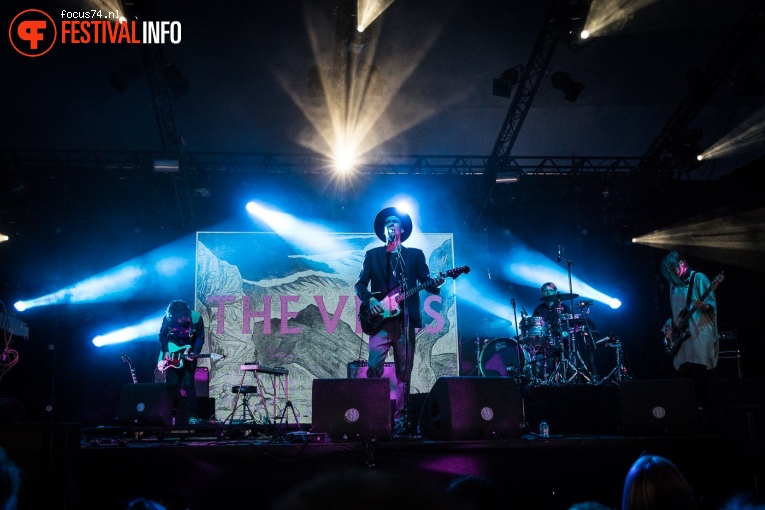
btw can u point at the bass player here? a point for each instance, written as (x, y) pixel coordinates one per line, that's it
(695, 345)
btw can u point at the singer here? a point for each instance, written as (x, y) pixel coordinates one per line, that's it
(391, 270)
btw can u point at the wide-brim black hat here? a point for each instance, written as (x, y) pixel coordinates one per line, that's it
(406, 223)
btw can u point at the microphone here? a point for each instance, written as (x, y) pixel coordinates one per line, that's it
(523, 311)
(391, 236)
(560, 251)
(488, 272)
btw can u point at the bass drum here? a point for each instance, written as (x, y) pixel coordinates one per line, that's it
(499, 358)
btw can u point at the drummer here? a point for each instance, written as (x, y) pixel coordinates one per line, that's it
(552, 307)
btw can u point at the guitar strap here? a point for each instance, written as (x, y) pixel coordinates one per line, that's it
(690, 291)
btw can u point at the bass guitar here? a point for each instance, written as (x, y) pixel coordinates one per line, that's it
(132, 370)
(676, 332)
(391, 303)
(177, 354)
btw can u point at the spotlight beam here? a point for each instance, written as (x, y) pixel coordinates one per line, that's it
(737, 239)
(749, 133)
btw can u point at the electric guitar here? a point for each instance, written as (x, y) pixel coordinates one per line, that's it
(179, 353)
(677, 332)
(132, 370)
(391, 303)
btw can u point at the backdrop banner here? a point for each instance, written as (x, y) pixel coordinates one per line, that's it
(288, 302)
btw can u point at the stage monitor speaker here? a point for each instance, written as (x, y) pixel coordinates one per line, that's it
(472, 408)
(152, 404)
(353, 409)
(358, 369)
(659, 407)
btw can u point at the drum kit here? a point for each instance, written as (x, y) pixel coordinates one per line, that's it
(550, 353)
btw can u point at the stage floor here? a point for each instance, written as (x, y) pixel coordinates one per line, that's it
(596, 434)
(69, 467)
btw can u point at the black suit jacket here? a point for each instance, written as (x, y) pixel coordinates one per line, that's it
(374, 274)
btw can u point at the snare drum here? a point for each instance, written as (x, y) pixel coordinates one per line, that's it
(500, 358)
(535, 330)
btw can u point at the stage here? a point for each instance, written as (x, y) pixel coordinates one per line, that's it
(221, 465)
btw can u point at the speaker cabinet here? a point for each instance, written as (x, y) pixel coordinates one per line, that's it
(202, 381)
(205, 407)
(353, 409)
(358, 369)
(152, 404)
(658, 407)
(472, 408)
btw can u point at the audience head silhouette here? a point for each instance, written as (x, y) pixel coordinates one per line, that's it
(655, 483)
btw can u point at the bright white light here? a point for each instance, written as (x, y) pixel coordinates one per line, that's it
(149, 327)
(344, 160)
(585, 34)
(20, 306)
(614, 303)
(700, 157)
(305, 235)
(360, 28)
(170, 266)
(3, 238)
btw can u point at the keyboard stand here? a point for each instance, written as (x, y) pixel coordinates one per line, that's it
(275, 373)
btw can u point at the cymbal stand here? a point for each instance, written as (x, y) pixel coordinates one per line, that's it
(570, 365)
(571, 358)
(588, 337)
(521, 359)
(619, 372)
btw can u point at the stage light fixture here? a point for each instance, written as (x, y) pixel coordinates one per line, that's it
(167, 165)
(505, 177)
(503, 86)
(570, 88)
(686, 149)
(569, 21)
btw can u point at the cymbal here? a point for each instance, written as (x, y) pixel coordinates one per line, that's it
(559, 297)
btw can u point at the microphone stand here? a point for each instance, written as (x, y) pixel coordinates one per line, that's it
(518, 344)
(408, 383)
(519, 379)
(576, 357)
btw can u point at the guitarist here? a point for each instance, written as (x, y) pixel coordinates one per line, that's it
(183, 327)
(698, 353)
(389, 269)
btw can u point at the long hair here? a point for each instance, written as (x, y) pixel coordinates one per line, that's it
(655, 483)
(669, 264)
(176, 309)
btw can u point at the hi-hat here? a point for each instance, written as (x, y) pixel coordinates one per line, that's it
(559, 297)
